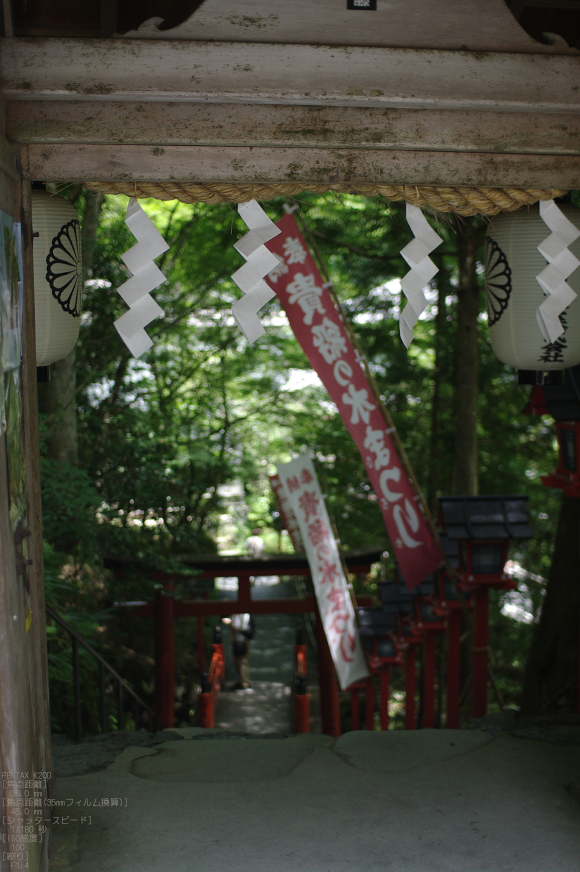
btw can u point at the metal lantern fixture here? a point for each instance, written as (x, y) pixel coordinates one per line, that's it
(567, 475)
(378, 634)
(425, 621)
(562, 402)
(513, 293)
(483, 528)
(58, 283)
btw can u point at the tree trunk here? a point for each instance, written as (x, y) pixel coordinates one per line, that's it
(61, 389)
(464, 473)
(464, 477)
(443, 288)
(551, 681)
(61, 407)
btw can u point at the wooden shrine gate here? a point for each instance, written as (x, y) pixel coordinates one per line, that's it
(165, 609)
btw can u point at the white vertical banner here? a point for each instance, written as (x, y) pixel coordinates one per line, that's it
(330, 585)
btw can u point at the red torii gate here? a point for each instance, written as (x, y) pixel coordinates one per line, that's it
(165, 609)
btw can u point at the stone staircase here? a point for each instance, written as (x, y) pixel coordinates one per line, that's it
(267, 706)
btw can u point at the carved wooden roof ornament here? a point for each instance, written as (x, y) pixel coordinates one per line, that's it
(460, 25)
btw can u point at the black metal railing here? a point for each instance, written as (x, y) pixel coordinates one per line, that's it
(104, 667)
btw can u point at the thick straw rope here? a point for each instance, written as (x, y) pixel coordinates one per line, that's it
(461, 200)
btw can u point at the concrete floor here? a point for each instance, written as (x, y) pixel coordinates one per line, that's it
(421, 801)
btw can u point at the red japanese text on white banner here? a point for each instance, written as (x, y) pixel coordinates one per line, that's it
(286, 512)
(330, 585)
(318, 327)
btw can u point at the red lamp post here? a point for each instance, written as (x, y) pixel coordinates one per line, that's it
(483, 528)
(410, 641)
(430, 623)
(399, 602)
(386, 653)
(567, 475)
(420, 627)
(452, 603)
(377, 629)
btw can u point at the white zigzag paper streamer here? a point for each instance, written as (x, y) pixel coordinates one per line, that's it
(561, 265)
(250, 277)
(416, 253)
(146, 276)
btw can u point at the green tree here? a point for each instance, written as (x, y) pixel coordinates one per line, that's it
(551, 681)
(159, 436)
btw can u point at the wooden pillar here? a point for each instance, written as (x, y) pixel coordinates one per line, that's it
(165, 660)
(329, 689)
(33, 488)
(429, 678)
(480, 651)
(24, 712)
(411, 687)
(453, 668)
(385, 692)
(200, 645)
(244, 592)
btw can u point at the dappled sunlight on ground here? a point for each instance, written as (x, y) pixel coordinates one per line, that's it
(266, 707)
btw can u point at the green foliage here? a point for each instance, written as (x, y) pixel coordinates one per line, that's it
(510, 641)
(359, 240)
(159, 437)
(70, 500)
(73, 593)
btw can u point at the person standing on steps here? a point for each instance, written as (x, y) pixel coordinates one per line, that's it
(255, 543)
(242, 634)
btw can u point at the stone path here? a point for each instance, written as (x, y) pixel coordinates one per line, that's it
(420, 801)
(266, 707)
(500, 797)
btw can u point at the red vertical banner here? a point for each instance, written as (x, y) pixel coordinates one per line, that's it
(318, 326)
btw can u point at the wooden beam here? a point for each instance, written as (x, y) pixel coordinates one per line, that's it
(119, 122)
(193, 608)
(446, 24)
(60, 163)
(257, 607)
(307, 75)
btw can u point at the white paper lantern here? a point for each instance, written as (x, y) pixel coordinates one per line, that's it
(513, 293)
(58, 286)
